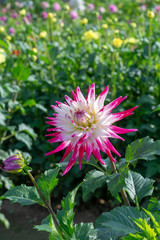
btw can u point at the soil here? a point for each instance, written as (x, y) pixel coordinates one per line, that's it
(22, 219)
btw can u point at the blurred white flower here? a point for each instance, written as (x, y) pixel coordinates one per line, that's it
(77, 5)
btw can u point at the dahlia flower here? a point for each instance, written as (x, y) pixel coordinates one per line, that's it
(14, 164)
(85, 125)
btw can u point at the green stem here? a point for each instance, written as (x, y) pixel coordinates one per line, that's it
(7, 137)
(44, 200)
(150, 43)
(123, 192)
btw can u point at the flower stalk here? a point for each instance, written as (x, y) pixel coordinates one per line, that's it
(47, 205)
(123, 192)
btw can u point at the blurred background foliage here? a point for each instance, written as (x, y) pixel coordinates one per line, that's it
(40, 70)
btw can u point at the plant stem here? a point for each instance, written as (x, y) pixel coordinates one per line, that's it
(123, 192)
(150, 42)
(43, 199)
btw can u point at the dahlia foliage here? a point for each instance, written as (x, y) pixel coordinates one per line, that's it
(86, 125)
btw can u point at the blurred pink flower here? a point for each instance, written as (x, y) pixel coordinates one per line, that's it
(56, 6)
(157, 8)
(44, 5)
(19, 4)
(14, 15)
(113, 8)
(99, 17)
(4, 10)
(143, 7)
(74, 15)
(102, 10)
(85, 125)
(44, 15)
(91, 6)
(3, 19)
(12, 31)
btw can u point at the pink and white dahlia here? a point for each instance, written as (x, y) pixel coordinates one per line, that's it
(86, 125)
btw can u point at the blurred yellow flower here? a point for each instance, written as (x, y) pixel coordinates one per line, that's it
(67, 7)
(105, 47)
(22, 12)
(134, 25)
(50, 15)
(84, 21)
(116, 31)
(34, 49)
(117, 42)
(43, 34)
(2, 56)
(104, 26)
(150, 14)
(89, 35)
(8, 38)
(2, 29)
(131, 40)
(53, 20)
(116, 19)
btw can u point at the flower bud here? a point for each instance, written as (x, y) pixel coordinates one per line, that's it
(14, 164)
(117, 42)
(150, 14)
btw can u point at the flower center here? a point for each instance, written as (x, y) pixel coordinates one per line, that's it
(81, 118)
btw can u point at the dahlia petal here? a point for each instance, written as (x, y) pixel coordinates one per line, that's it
(72, 160)
(109, 107)
(100, 144)
(59, 148)
(88, 92)
(89, 149)
(114, 135)
(111, 147)
(81, 152)
(57, 138)
(110, 156)
(80, 95)
(97, 155)
(74, 96)
(100, 100)
(68, 151)
(119, 130)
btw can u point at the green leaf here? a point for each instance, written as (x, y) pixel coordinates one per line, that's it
(154, 205)
(134, 237)
(93, 180)
(157, 109)
(4, 220)
(4, 45)
(148, 232)
(3, 154)
(23, 137)
(53, 52)
(138, 187)
(48, 182)
(8, 184)
(66, 215)
(116, 182)
(144, 148)
(104, 234)
(120, 219)
(25, 128)
(48, 226)
(2, 119)
(12, 88)
(41, 107)
(29, 103)
(23, 195)
(21, 72)
(82, 230)
(155, 223)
